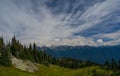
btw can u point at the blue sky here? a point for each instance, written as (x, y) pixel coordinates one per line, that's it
(61, 22)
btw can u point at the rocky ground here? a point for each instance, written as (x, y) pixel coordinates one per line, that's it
(24, 65)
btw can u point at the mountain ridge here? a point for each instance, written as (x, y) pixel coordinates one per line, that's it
(96, 54)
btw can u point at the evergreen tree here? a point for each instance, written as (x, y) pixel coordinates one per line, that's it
(30, 53)
(114, 64)
(106, 64)
(5, 54)
(16, 47)
(40, 56)
(35, 55)
(30, 48)
(1, 42)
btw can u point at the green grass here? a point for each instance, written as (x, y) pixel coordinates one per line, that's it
(53, 71)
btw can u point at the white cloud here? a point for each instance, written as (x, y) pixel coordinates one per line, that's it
(97, 13)
(100, 41)
(113, 35)
(46, 28)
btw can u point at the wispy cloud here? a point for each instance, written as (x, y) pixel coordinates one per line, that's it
(98, 13)
(28, 25)
(38, 21)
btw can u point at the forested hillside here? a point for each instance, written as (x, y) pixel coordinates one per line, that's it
(16, 49)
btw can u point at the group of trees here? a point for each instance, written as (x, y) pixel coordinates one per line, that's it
(4, 54)
(74, 64)
(15, 48)
(113, 65)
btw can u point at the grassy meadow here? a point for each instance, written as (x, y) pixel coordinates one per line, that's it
(54, 71)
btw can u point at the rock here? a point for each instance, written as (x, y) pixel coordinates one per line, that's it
(24, 65)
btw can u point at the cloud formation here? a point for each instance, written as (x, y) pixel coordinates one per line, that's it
(60, 22)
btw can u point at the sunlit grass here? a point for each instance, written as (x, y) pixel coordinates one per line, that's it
(52, 71)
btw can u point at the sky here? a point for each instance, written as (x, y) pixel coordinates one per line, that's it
(61, 22)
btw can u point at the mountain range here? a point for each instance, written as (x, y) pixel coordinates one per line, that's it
(85, 53)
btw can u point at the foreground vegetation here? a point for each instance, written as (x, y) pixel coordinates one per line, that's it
(53, 70)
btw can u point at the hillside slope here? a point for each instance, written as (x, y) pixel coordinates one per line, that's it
(24, 65)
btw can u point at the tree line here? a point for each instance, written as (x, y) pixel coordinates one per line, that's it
(15, 48)
(113, 65)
